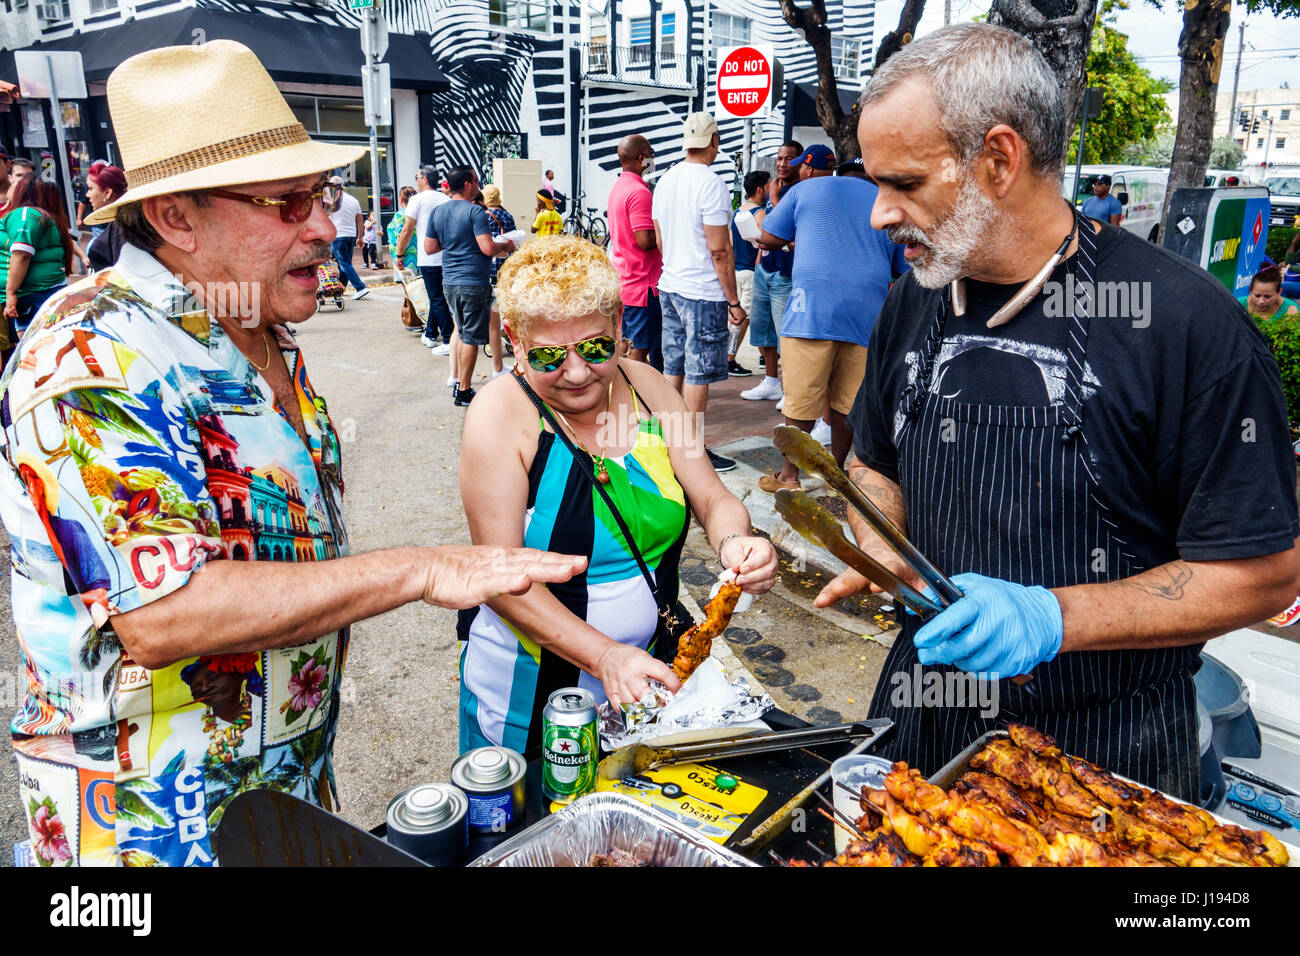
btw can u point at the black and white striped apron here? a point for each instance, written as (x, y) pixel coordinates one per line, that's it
(1010, 492)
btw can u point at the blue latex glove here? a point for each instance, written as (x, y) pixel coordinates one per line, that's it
(998, 628)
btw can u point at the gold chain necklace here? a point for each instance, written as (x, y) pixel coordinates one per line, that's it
(597, 461)
(266, 342)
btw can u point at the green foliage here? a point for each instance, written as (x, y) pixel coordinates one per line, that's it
(1132, 106)
(1226, 154)
(1284, 338)
(1157, 151)
(1278, 239)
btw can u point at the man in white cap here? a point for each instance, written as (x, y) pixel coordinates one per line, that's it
(173, 488)
(698, 297)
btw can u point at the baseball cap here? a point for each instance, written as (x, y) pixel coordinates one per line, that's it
(817, 156)
(336, 180)
(698, 130)
(1103, 178)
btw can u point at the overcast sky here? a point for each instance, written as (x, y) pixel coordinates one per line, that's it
(1271, 57)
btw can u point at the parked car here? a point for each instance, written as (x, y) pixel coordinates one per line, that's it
(1139, 189)
(1283, 200)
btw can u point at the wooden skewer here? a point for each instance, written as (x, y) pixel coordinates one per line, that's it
(838, 818)
(818, 850)
(777, 858)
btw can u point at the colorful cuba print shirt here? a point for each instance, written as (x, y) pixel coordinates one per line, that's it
(139, 444)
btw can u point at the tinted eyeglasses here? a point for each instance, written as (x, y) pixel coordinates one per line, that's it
(595, 351)
(294, 206)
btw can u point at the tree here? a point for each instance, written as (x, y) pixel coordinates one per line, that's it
(1226, 154)
(841, 127)
(1200, 46)
(1062, 32)
(1132, 108)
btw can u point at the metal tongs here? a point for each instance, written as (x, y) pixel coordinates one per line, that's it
(817, 524)
(640, 758)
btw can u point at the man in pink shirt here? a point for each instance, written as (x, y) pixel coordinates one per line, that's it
(634, 251)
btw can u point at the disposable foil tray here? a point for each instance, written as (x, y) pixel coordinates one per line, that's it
(947, 778)
(601, 822)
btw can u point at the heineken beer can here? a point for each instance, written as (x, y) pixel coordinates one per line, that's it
(569, 747)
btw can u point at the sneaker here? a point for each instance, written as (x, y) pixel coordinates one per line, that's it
(719, 463)
(772, 484)
(463, 398)
(766, 390)
(821, 432)
(453, 383)
(781, 404)
(762, 360)
(443, 349)
(360, 294)
(505, 370)
(427, 342)
(736, 370)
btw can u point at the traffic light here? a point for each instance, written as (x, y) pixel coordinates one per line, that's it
(1254, 126)
(1243, 120)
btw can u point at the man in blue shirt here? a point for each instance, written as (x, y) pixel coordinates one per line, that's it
(841, 273)
(462, 231)
(1103, 206)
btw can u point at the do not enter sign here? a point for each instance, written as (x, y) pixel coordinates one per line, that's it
(745, 81)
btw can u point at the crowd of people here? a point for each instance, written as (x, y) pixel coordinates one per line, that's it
(172, 485)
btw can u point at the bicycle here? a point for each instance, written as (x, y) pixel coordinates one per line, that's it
(585, 223)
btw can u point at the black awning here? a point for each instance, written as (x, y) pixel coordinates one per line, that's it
(292, 50)
(801, 103)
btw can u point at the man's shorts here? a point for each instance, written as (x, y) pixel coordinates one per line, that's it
(643, 324)
(814, 369)
(771, 292)
(745, 288)
(471, 310)
(695, 338)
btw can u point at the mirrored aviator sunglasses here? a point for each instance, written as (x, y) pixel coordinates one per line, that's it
(293, 207)
(595, 351)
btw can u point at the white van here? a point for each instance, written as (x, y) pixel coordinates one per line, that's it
(1139, 189)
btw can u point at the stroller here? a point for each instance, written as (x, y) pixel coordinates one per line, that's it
(329, 285)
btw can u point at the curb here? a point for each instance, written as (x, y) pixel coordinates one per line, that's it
(743, 483)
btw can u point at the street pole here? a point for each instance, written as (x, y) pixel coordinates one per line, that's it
(374, 44)
(749, 148)
(1236, 75)
(1078, 159)
(1268, 142)
(947, 12)
(56, 119)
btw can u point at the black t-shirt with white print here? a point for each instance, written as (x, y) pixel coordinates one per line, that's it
(1183, 416)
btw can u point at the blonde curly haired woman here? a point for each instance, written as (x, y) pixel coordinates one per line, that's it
(546, 452)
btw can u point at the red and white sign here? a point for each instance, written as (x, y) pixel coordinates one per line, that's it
(745, 81)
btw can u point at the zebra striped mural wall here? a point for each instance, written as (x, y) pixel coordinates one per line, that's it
(514, 81)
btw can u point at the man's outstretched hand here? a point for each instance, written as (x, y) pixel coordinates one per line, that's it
(462, 577)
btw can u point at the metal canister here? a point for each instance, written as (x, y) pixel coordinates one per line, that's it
(493, 781)
(569, 744)
(429, 822)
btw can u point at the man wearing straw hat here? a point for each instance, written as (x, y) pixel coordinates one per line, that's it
(157, 419)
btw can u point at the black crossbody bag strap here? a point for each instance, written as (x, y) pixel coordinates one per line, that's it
(588, 468)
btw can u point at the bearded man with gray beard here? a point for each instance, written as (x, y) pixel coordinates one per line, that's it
(1085, 430)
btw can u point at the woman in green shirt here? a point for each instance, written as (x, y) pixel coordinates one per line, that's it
(1266, 300)
(35, 253)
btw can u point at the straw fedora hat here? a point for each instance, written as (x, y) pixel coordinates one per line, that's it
(205, 116)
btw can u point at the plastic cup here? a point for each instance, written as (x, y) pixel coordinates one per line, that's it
(854, 773)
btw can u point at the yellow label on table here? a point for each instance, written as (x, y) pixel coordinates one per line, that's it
(693, 797)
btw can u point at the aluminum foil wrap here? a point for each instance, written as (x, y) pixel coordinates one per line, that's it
(601, 822)
(706, 700)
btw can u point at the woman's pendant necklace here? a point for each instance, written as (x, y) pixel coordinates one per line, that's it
(597, 461)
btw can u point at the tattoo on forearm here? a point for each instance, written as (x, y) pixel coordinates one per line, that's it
(1167, 582)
